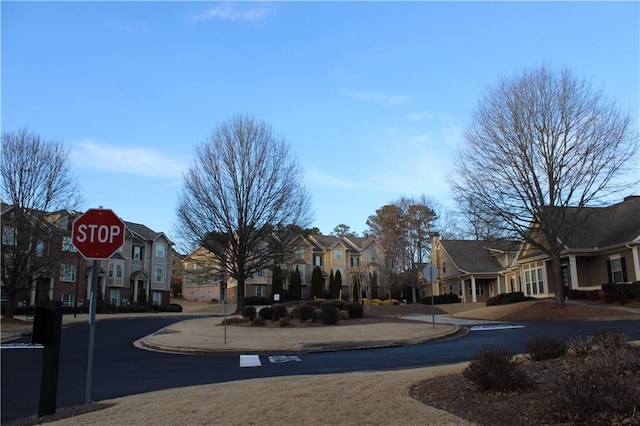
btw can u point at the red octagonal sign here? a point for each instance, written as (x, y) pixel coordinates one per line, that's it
(98, 233)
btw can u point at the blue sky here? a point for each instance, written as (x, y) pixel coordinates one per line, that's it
(372, 96)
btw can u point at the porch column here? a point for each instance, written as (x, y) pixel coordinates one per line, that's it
(636, 262)
(135, 291)
(33, 293)
(464, 293)
(474, 299)
(573, 270)
(148, 291)
(104, 290)
(51, 289)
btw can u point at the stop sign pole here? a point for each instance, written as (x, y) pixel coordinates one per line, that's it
(431, 272)
(97, 234)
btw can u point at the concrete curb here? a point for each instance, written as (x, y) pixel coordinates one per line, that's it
(303, 348)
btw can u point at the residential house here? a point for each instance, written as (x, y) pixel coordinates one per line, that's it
(603, 248)
(472, 269)
(54, 264)
(355, 258)
(177, 265)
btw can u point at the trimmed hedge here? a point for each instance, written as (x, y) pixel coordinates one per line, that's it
(508, 298)
(441, 299)
(615, 292)
(255, 300)
(354, 309)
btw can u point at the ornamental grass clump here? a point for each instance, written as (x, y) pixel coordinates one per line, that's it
(541, 348)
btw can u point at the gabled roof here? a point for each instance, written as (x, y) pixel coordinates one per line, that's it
(601, 227)
(472, 256)
(143, 232)
(326, 241)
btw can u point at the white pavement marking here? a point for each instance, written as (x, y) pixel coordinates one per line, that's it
(278, 359)
(20, 346)
(494, 327)
(250, 361)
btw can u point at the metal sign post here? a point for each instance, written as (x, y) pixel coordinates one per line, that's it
(431, 272)
(97, 234)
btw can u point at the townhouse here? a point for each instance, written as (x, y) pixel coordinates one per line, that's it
(139, 272)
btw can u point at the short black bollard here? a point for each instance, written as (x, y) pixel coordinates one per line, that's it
(47, 325)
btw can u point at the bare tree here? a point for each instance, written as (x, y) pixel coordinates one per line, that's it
(542, 146)
(240, 196)
(36, 182)
(403, 228)
(478, 223)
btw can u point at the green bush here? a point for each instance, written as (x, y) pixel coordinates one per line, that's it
(354, 309)
(329, 314)
(278, 311)
(266, 313)
(541, 348)
(493, 368)
(249, 312)
(333, 302)
(307, 312)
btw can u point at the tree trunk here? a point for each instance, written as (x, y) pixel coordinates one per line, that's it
(10, 308)
(240, 298)
(556, 276)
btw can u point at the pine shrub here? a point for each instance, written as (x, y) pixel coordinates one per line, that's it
(329, 315)
(266, 313)
(249, 312)
(355, 309)
(278, 311)
(493, 369)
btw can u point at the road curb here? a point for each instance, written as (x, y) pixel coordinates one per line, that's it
(145, 344)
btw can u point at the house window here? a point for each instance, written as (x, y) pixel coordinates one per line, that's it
(260, 290)
(116, 269)
(302, 268)
(67, 299)
(67, 273)
(479, 290)
(67, 244)
(114, 296)
(317, 260)
(40, 249)
(444, 267)
(355, 262)
(158, 274)
(337, 254)
(156, 298)
(137, 253)
(617, 270)
(160, 249)
(299, 253)
(534, 279)
(260, 273)
(9, 235)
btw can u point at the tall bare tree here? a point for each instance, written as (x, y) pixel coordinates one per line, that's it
(541, 146)
(403, 228)
(36, 182)
(240, 196)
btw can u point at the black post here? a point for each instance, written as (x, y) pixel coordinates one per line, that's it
(47, 325)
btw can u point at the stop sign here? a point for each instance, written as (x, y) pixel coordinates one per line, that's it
(98, 233)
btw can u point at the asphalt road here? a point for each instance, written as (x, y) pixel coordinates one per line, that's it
(120, 369)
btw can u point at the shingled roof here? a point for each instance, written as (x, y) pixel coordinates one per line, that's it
(601, 227)
(477, 256)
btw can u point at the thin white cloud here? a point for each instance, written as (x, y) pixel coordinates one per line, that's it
(118, 159)
(235, 11)
(316, 177)
(428, 116)
(376, 96)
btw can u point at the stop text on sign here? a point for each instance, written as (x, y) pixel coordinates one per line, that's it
(93, 233)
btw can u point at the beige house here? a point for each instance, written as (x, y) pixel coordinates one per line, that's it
(605, 248)
(355, 258)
